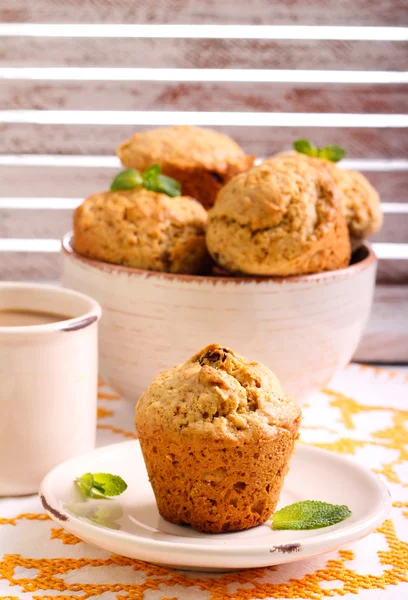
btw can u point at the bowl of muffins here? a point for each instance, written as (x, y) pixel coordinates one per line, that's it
(196, 241)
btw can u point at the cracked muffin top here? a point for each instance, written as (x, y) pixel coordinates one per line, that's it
(361, 205)
(182, 145)
(216, 393)
(281, 193)
(281, 217)
(143, 229)
(360, 202)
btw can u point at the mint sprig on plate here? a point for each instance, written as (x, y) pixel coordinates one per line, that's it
(309, 514)
(332, 153)
(152, 179)
(97, 485)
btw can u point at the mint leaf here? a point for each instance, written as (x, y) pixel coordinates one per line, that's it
(85, 483)
(309, 514)
(127, 180)
(101, 484)
(154, 181)
(168, 186)
(305, 147)
(151, 173)
(109, 485)
(332, 153)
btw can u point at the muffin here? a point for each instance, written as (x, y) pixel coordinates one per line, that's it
(280, 218)
(217, 434)
(142, 229)
(359, 200)
(361, 205)
(201, 160)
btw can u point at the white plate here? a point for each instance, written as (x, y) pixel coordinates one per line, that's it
(131, 525)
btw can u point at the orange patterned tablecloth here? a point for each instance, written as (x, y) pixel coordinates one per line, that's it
(364, 413)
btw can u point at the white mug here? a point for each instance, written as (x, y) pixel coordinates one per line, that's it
(48, 384)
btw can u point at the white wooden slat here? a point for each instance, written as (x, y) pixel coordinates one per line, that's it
(202, 75)
(212, 31)
(278, 12)
(366, 142)
(29, 245)
(190, 96)
(201, 118)
(391, 251)
(395, 208)
(201, 53)
(66, 160)
(36, 203)
(112, 162)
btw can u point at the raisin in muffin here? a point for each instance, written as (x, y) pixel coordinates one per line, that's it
(201, 160)
(280, 218)
(360, 202)
(142, 229)
(217, 434)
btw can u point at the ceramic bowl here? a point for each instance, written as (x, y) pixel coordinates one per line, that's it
(304, 328)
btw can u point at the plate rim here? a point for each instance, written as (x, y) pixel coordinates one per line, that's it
(312, 545)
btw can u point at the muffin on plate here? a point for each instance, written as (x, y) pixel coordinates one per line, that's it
(360, 202)
(217, 434)
(280, 218)
(143, 229)
(202, 160)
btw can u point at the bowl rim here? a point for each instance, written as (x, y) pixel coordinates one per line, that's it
(362, 265)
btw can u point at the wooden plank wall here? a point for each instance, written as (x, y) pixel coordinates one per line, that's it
(70, 93)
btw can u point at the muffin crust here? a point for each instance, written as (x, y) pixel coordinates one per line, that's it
(201, 160)
(217, 434)
(279, 218)
(360, 202)
(142, 229)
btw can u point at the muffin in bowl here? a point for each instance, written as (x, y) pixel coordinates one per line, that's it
(359, 201)
(143, 229)
(217, 434)
(361, 205)
(280, 218)
(202, 160)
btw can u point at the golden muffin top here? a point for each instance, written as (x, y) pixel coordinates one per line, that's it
(290, 197)
(142, 229)
(216, 393)
(182, 145)
(359, 200)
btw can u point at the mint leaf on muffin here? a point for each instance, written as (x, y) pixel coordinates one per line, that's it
(332, 153)
(309, 514)
(305, 147)
(96, 485)
(127, 180)
(152, 180)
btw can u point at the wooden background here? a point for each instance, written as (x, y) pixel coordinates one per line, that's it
(69, 93)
